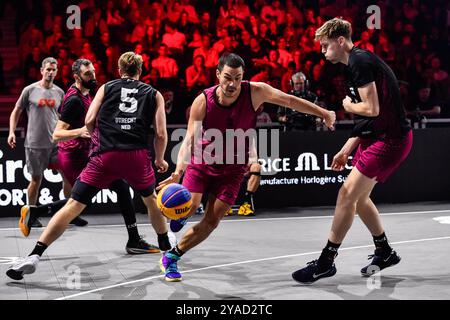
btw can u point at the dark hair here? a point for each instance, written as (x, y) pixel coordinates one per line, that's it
(76, 66)
(232, 60)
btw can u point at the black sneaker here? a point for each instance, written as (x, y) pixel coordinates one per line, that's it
(380, 262)
(79, 222)
(311, 273)
(36, 223)
(141, 247)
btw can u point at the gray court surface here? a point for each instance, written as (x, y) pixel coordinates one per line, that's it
(246, 258)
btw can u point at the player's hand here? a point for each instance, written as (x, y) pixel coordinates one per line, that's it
(174, 178)
(85, 133)
(329, 119)
(161, 165)
(339, 161)
(12, 140)
(346, 103)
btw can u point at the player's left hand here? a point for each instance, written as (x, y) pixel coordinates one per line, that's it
(346, 103)
(161, 165)
(174, 178)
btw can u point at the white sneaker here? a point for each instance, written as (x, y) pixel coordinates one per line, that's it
(25, 266)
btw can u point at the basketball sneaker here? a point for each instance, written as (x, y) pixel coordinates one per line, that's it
(141, 247)
(26, 265)
(79, 222)
(312, 273)
(25, 222)
(229, 212)
(380, 262)
(168, 265)
(246, 210)
(177, 225)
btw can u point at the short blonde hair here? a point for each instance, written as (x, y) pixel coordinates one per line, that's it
(130, 63)
(334, 29)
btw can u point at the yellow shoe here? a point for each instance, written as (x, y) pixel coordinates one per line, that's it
(229, 212)
(246, 210)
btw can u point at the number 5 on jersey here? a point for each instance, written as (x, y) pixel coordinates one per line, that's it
(129, 103)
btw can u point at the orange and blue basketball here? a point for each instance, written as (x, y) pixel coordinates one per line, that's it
(174, 201)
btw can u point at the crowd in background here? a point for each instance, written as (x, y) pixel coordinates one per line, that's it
(181, 41)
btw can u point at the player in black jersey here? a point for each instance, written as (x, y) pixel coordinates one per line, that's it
(384, 140)
(119, 121)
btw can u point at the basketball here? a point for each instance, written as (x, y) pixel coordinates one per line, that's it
(174, 201)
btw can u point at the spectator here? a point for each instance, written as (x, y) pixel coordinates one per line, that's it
(439, 79)
(206, 25)
(242, 10)
(284, 56)
(76, 42)
(184, 25)
(33, 65)
(364, 43)
(174, 39)
(166, 66)
(209, 53)
(95, 25)
(175, 114)
(196, 39)
(253, 25)
(273, 11)
(263, 75)
(197, 75)
(424, 104)
(190, 9)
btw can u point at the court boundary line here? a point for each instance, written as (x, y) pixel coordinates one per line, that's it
(255, 218)
(241, 263)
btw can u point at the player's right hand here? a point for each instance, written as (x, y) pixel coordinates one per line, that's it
(161, 165)
(85, 133)
(339, 161)
(174, 178)
(12, 140)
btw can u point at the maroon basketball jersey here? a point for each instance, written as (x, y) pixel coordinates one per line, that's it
(239, 115)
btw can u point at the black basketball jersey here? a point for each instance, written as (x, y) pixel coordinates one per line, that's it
(363, 68)
(125, 116)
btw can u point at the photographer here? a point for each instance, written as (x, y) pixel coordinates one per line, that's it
(293, 119)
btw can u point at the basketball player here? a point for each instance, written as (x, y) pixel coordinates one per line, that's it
(383, 138)
(41, 101)
(232, 104)
(119, 121)
(73, 150)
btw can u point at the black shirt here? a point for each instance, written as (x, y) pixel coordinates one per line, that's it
(125, 116)
(365, 67)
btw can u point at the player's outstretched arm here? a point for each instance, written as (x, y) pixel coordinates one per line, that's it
(262, 92)
(94, 108)
(63, 132)
(160, 141)
(197, 114)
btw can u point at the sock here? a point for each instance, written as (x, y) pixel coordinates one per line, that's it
(39, 249)
(248, 197)
(164, 242)
(382, 245)
(127, 209)
(176, 251)
(329, 253)
(133, 234)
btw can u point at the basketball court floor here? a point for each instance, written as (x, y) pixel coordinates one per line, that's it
(246, 258)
